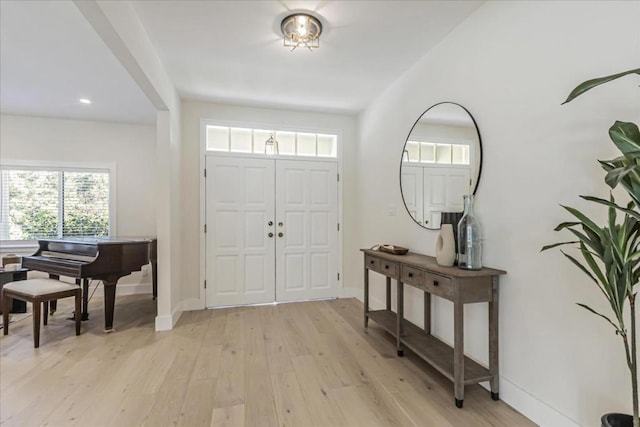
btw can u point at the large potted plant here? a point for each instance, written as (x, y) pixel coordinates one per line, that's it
(610, 253)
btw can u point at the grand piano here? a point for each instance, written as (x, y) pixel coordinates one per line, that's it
(102, 258)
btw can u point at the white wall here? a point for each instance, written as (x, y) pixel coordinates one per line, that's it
(120, 28)
(192, 112)
(132, 148)
(512, 64)
(464, 133)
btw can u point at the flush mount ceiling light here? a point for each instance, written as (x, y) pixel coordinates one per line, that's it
(301, 30)
(84, 101)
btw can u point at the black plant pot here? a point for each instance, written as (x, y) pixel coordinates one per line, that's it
(617, 420)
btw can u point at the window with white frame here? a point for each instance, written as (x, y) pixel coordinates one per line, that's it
(245, 140)
(429, 152)
(41, 202)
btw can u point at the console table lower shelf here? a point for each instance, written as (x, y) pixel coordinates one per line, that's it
(433, 350)
(458, 286)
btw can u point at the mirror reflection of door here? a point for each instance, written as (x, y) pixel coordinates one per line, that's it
(441, 162)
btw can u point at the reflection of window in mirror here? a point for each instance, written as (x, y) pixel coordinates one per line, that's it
(460, 154)
(443, 154)
(441, 162)
(427, 152)
(412, 152)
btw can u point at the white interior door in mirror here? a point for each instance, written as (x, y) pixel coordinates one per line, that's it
(412, 191)
(444, 188)
(240, 255)
(307, 218)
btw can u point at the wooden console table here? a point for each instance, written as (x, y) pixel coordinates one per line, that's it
(456, 285)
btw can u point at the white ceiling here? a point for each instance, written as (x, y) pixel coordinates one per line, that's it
(50, 57)
(223, 51)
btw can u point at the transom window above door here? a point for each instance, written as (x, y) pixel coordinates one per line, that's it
(429, 152)
(264, 141)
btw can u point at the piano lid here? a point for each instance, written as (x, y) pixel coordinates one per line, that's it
(103, 240)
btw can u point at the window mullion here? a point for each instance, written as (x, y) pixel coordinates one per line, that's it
(60, 203)
(4, 205)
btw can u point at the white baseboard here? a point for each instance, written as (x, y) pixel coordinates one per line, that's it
(193, 304)
(167, 322)
(352, 293)
(536, 410)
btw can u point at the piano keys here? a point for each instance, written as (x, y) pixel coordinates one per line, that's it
(102, 258)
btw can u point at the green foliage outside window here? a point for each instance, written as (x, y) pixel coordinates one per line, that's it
(38, 199)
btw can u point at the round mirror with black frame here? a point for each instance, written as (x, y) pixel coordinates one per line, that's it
(441, 162)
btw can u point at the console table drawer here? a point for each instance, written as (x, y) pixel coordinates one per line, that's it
(411, 276)
(383, 266)
(438, 285)
(371, 262)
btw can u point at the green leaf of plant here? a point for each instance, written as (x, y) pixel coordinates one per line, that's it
(605, 202)
(594, 244)
(583, 218)
(567, 224)
(614, 176)
(544, 248)
(586, 307)
(626, 136)
(580, 266)
(590, 84)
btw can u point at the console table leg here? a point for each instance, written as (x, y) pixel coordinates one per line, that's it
(388, 293)
(427, 313)
(399, 317)
(366, 297)
(458, 351)
(493, 341)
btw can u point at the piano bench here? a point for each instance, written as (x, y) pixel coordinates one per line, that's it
(39, 292)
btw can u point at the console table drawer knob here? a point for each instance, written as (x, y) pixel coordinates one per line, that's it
(410, 274)
(371, 262)
(435, 283)
(386, 267)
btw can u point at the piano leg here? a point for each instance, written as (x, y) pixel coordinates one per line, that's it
(109, 304)
(85, 299)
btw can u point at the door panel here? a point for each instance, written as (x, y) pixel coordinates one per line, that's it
(320, 271)
(306, 255)
(239, 254)
(319, 228)
(443, 191)
(412, 191)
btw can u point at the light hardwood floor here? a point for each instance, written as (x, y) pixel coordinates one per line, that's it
(298, 364)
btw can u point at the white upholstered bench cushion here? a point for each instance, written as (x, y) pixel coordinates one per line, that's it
(38, 287)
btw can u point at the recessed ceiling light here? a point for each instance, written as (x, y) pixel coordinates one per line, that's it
(85, 101)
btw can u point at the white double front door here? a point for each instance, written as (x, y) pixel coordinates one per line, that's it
(271, 230)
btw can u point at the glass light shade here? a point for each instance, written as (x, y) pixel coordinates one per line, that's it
(301, 30)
